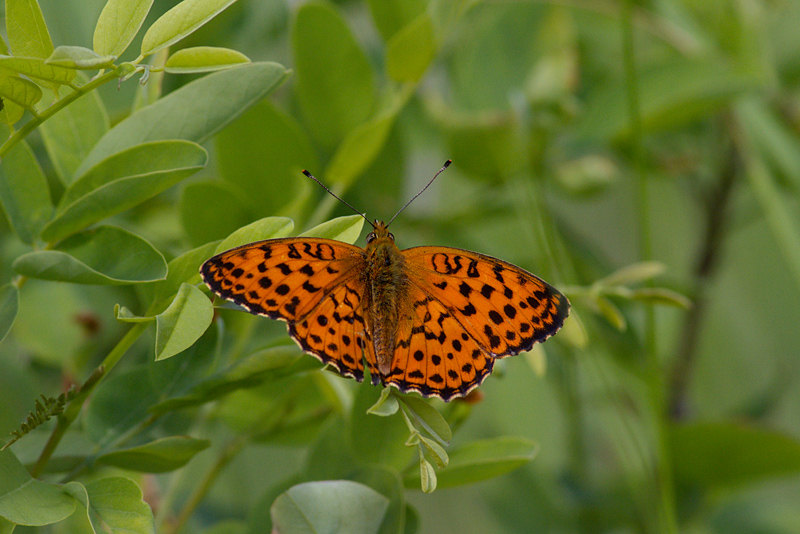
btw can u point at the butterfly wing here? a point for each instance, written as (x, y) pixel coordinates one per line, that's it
(465, 309)
(314, 285)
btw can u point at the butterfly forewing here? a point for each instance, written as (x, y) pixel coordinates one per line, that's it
(312, 284)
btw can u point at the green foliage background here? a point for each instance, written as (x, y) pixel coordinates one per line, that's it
(644, 157)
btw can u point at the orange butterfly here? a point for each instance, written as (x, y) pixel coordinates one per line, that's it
(425, 319)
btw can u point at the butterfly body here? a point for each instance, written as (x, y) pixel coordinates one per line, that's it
(425, 319)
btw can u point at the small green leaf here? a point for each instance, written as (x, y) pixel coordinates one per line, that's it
(114, 504)
(180, 325)
(27, 501)
(204, 59)
(194, 112)
(434, 449)
(335, 85)
(24, 193)
(122, 181)
(124, 315)
(611, 313)
(386, 405)
(19, 91)
(345, 229)
(660, 295)
(78, 57)
(328, 507)
(106, 255)
(267, 228)
(159, 456)
(427, 475)
(429, 417)
(481, 460)
(391, 16)
(118, 24)
(33, 67)
(411, 50)
(27, 30)
(10, 113)
(184, 268)
(9, 305)
(179, 22)
(634, 274)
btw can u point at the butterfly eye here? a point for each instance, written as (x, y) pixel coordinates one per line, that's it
(370, 237)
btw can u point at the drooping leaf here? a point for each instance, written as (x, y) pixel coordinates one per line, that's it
(37, 68)
(78, 57)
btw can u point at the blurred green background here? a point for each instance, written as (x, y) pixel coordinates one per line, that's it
(587, 137)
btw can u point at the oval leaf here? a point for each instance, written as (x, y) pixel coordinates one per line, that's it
(267, 228)
(24, 192)
(327, 507)
(37, 68)
(19, 91)
(123, 181)
(189, 315)
(78, 57)
(429, 418)
(194, 112)
(179, 22)
(118, 24)
(159, 456)
(106, 255)
(27, 30)
(346, 229)
(114, 504)
(204, 59)
(9, 305)
(411, 50)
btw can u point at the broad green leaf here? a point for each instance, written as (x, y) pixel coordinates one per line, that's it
(180, 325)
(27, 501)
(729, 455)
(119, 403)
(6, 526)
(184, 268)
(11, 112)
(481, 460)
(390, 16)
(159, 456)
(106, 255)
(24, 192)
(263, 152)
(27, 30)
(71, 133)
(346, 229)
(78, 57)
(386, 404)
(179, 22)
(33, 67)
(329, 507)
(19, 91)
(223, 208)
(362, 145)
(411, 50)
(335, 85)
(204, 59)
(429, 418)
(114, 505)
(267, 228)
(9, 305)
(118, 24)
(122, 181)
(194, 112)
(377, 440)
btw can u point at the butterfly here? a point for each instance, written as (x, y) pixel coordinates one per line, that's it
(425, 319)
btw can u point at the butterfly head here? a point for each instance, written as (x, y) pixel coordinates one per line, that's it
(380, 233)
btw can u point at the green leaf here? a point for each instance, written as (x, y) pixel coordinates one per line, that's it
(194, 112)
(434, 449)
(377, 440)
(335, 86)
(179, 22)
(634, 274)
(267, 228)
(34, 67)
(159, 456)
(122, 181)
(663, 296)
(427, 475)
(73, 131)
(411, 50)
(346, 229)
(429, 417)
(27, 501)
(329, 507)
(180, 325)
(27, 30)
(11, 112)
(106, 255)
(223, 210)
(114, 505)
(124, 315)
(19, 91)
(119, 403)
(262, 152)
(9, 306)
(386, 404)
(481, 460)
(204, 59)
(78, 57)
(24, 193)
(730, 455)
(611, 313)
(390, 16)
(118, 24)
(184, 268)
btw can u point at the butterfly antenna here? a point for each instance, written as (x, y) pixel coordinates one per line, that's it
(334, 195)
(446, 164)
